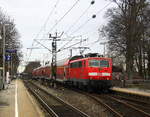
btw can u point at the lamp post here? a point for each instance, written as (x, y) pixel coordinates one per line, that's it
(1, 77)
(3, 45)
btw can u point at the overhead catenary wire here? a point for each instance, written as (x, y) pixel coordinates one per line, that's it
(47, 19)
(83, 23)
(89, 44)
(93, 16)
(81, 26)
(45, 23)
(67, 42)
(64, 15)
(92, 2)
(50, 14)
(85, 11)
(72, 38)
(72, 45)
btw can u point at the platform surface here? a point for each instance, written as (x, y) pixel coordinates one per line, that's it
(135, 91)
(15, 101)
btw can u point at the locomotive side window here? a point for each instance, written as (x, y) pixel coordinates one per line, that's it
(76, 64)
(84, 63)
(80, 63)
(71, 65)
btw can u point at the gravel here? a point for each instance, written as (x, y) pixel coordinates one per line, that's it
(82, 102)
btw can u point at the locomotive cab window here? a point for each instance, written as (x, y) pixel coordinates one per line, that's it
(98, 63)
(94, 63)
(104, 63)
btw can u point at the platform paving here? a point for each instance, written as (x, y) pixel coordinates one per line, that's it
(135, 91)
(15, 101)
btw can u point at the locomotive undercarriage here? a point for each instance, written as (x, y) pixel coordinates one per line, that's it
(90, 84)
(85, 84)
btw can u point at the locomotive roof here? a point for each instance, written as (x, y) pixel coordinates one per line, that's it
(90, 58)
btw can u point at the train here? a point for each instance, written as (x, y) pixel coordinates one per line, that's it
(88, 71)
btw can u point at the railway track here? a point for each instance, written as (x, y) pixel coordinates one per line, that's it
(139, 104)
(121, 106)
(124, 107)
(109, 108)
(54, 106)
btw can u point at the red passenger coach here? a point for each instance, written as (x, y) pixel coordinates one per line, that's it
(91, 71)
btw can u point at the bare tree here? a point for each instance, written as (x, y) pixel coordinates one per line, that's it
(12, 40)
(31, 65)
(125, 31)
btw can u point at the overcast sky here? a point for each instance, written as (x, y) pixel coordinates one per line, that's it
(30, 16)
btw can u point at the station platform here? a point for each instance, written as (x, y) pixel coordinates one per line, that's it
(15, 101)
(134, 91)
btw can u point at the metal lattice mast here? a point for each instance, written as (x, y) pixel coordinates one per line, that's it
(54, 55)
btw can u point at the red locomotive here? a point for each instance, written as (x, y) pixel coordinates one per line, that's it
(91, 71)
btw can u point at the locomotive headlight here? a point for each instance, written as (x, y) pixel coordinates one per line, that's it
(105, 74)
(93, 74)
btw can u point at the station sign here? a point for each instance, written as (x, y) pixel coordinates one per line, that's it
(11, 50)
(7, 57)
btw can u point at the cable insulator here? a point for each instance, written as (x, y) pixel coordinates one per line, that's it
(93, 16)
(92, 2)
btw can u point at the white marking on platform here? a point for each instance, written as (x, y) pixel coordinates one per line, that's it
(16, 100)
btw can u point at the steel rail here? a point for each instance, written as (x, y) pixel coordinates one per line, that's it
(129, 105)
(104, 104)
(131, 99)
(42, 102)
(99, 101)
(135, 102)
(97, 98)
(80, 113)
(110, 108)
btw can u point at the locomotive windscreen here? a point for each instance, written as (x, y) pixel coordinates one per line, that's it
(98, 63)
